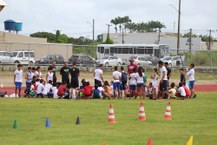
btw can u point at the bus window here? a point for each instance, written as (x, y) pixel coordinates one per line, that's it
(106, 51)
(101, 49)
(119, 50)
(125, 50)
(139, 51)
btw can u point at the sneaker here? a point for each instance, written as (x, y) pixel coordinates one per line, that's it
(195, 95)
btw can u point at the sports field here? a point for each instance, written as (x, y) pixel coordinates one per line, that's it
(197, 117)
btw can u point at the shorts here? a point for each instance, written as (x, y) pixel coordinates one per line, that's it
(163, 85)
(191, 84)
(18, 85)
(140, 84)
(74, 83)
(123, 86)
(98, 83)
(116, 85)
(133, 87)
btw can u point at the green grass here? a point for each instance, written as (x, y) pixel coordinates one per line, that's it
(197, 117)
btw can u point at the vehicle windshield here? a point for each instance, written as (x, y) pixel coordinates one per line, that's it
(105, 57)
(74, 57)
(14, 54)
(167, 58)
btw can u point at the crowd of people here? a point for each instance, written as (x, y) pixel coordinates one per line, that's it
(130, 83)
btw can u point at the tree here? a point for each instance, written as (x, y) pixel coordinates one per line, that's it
(187, 35)
(51, 38)
(152, 25)
(108, 40)
(131, 27)
(121, 21)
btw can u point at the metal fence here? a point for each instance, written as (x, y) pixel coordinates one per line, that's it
(85, 49)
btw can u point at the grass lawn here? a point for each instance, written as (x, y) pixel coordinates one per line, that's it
(197, 117)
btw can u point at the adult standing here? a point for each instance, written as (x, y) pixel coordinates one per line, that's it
(132, 66)
(191, 74)
(64, 72)
(74, 72)
(54, 69)
(163, 79)
(97, 74)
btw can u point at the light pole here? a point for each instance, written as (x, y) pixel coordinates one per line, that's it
(93, 29)
(179, 24)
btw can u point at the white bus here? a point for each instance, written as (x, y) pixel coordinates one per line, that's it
(125, 51)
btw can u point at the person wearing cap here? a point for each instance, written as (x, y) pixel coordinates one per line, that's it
(132, 66)
(64, 72)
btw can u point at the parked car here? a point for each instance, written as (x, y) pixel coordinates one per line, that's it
(49, 58)
(23, 57)
(5, 57)
(141, 61)
(81, 59)
(110, 61)
(172, 60)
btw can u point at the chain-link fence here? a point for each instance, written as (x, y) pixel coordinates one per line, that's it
(85, 49)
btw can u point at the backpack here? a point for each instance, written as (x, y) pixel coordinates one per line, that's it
(124, 77)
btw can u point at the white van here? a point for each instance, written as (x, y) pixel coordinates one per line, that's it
(23, 57)
(5, 57)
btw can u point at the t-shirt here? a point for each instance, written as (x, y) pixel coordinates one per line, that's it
(108, 90)
(139, 78)
(88, 90)
(182, 91)
(38, 74)
(187, 91)
(50, 76)
(98, 73)
(64, 71)
(173, 91)
(163, 69)
(133, 79)
(190, 74)
(182, 78)
(18, 75)
(74, 71)
(61, 90)
(40, 88)
(131, 67)
(47, 88)
(29, 77)
(96, 94)
(116, 76)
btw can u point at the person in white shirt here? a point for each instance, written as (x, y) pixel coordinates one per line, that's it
(97, 74)
(191, 74)
(116, 83)
(38, 73)
(18, 79)
(29, 76)
(163, 80)
(140, 84)
(132, 82)
(181, 92)
(40, 89)
(154, 81)
(50, 74)
(47, 89)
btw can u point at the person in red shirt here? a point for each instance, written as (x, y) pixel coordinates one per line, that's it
(187, 91)
(61, 90)
(88, 90)
(132, 66)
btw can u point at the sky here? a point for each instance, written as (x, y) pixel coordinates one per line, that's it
(73, 17)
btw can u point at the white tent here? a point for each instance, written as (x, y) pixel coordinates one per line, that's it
(2, 5)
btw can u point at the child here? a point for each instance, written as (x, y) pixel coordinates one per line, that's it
(81, 89)
(144, 81)
(33, 89)
(140, 83)
(55, 91)
(28, 77)
(123, 82)
(38, 73)
(88, 90)
(96, 93)
(172, 91)
(107, 93)
(191, 75)
(61, 90)
(47, 89)
(18, 79)
(187, 91)
(116, 83)
(154, 80)
(132, 79)
(181, 92)
(50, 74)
(182, 76)
(150, 89)
(112, 88)
(40, 89)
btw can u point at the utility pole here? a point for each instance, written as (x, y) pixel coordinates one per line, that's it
(123, 36)
(190, 40)
(159, 35)
(109, 25)
(179, 23)
(93, 30)
(209, 42)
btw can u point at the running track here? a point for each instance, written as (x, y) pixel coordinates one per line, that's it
(198, 88)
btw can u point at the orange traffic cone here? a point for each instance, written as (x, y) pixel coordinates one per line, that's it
(105, 144)
(141, 112)
(167, 114)
(111, 117)
(149, 141)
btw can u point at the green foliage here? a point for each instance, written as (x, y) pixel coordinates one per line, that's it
(51, 38)
(187, 35)
(108, 40)
(195, 117)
